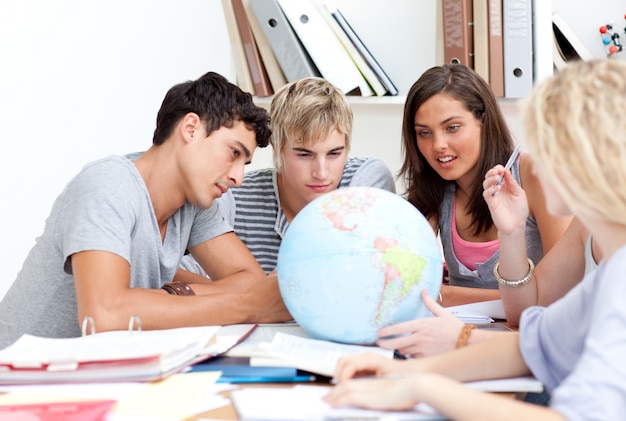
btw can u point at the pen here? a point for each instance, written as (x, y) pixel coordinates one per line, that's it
(509, 164)
(398, 356)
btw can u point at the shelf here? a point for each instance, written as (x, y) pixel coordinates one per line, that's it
(352, 100)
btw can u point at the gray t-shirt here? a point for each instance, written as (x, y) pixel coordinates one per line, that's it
(105, 207)
(258, 219)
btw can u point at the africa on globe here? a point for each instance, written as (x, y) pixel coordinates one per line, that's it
(355, 260)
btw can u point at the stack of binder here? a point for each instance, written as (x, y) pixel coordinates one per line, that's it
(279, 41)
(493, 37)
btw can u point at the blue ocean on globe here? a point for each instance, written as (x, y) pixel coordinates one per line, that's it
(355, 260)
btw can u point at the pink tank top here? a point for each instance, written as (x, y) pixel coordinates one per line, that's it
(467, 252)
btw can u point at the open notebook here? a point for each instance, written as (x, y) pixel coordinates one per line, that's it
(114, 356)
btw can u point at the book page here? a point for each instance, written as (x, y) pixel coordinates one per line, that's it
(486, 309)
(264, 333)
(35, 352)
(312, 355)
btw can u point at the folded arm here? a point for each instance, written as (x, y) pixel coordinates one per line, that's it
(241, 292)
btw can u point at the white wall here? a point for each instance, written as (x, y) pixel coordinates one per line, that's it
(586, 17)
(82, 79)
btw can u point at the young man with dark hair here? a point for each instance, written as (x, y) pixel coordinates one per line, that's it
(116, 234)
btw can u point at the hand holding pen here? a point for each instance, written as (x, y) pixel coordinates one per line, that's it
(509, 211)
(507, 167)
(509, 164)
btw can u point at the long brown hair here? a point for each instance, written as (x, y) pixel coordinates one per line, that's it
(424, 187)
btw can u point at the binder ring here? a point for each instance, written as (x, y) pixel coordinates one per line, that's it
(134, 321)
(88, 323)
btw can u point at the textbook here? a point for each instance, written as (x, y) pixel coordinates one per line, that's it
(239, 370)
(312, 355)
(129, 355)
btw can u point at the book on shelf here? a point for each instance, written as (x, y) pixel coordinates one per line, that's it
(324, 48)
(274, 71)
(244, 79)
(480, 27)
(292, 57)
(458, 41)
(260, 79)
(129, 355)
(496, 58)
(373, 72)
(517, 27)
(566, 44)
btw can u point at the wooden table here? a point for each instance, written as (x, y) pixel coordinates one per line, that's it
(228, 412)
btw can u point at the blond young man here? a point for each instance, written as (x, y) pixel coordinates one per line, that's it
(311, 124)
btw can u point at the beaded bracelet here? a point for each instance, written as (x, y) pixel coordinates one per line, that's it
(464, 335)
(178, 288)
(519, 282)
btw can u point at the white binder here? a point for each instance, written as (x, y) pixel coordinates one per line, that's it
(291, 56)
(327, 52)
(518, 47)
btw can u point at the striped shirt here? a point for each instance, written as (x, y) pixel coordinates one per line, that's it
(258, 219)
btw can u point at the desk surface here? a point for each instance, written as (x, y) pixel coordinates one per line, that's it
(228, 412)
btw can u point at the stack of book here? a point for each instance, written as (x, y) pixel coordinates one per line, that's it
(115, 356)
(275, 42)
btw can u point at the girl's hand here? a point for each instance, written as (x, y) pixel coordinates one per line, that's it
(507, 202)
(423, 337)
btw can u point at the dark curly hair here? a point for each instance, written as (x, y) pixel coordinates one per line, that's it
(217, 102)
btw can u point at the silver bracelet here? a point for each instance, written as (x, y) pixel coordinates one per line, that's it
(519, 282)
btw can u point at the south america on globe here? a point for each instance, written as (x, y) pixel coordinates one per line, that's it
(355, 260)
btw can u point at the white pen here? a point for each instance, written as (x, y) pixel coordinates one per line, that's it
(509, 164)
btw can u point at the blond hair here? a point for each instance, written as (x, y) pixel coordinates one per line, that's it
(306, 111)
(576, 130)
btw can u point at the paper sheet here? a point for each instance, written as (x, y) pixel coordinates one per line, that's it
(177, 397)
(489, 309)
(304, 403)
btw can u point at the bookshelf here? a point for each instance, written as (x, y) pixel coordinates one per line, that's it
(406, 39)
(402, 36)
